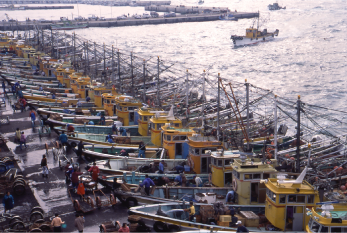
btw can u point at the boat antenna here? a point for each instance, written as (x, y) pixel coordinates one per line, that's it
(258, 21)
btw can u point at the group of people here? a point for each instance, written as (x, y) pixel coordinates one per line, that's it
(20, 138)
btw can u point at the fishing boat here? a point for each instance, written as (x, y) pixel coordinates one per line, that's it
(227, 16)
(253, 36)
(68, 26)
(275, 6)
(281, 196)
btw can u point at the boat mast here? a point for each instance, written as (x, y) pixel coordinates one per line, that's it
(247, 101)
(275, 133)
(218, 101)
(187, 91)
(298, 136)
(258, 22)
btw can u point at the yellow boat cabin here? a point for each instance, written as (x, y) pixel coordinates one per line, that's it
(126, 109)
(96, 94)
(73, 81)
(246, 176)
(66, 80)
(158, 121)
(59, 73)
(175, 141)
(200, 148)
(287, 202)
(82, 86)
(330, 217)
(109, 101)
(145, 114)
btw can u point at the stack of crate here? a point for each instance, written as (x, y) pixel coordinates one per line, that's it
(206, 211)
(252, 220)
(224, 220)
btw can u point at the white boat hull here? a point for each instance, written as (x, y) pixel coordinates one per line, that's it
(243, 41)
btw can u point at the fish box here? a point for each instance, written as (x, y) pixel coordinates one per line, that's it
(225, 218)
(223, 224)
(109, 122)
(134, 218)
(252, 220)
(72, 102)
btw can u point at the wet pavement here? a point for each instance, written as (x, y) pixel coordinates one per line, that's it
(51, 193)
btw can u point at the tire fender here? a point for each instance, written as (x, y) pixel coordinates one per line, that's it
(234, 185)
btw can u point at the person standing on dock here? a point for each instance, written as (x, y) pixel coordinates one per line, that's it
(56, 223)
(87, 98)
(4, 87)
(32, 115)
(148, 182)
(44, 166)
(142, 150)
(80, 148)
(161, 167)
(95, 172)
(198, 181)
(8, 202)
(179, 169)
(79, 222)
(74, 179)
(22, 141)
(63, 138)
(17, 136)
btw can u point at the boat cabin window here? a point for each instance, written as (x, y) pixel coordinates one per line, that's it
(227, 162)
(145, 118)
(335, 229)
(266, 176)
(130, 108)
(214, 161)
(113, 101)
(177, 125)
(282, 199)
(152, 125)
(310, 198)
(271, 195)
(255, 176)
(197, 151)
(159, 127)
(300, 199)
(183, 138)
(315, 227)
(124, 108)
(291, 198)
(220, 162)
(82, 86)
(168, 137)
(176, 138)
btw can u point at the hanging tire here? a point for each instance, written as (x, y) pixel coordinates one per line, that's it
(98, 202)
(131, 201)
(102, 228)
(45, 227)
(15, 219)
(112, 200)
(19, 181)
(37, 209)
(3, 168)
(19, 177)
(39, 221)
(19, 189)
(77, 206)
(35, 216)
(174, 228)
(90, 201)
(35, 230)
(18, 225)
(160, 227)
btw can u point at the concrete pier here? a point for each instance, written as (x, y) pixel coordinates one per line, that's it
(21, 26)
(187, 9)
(36, 8)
